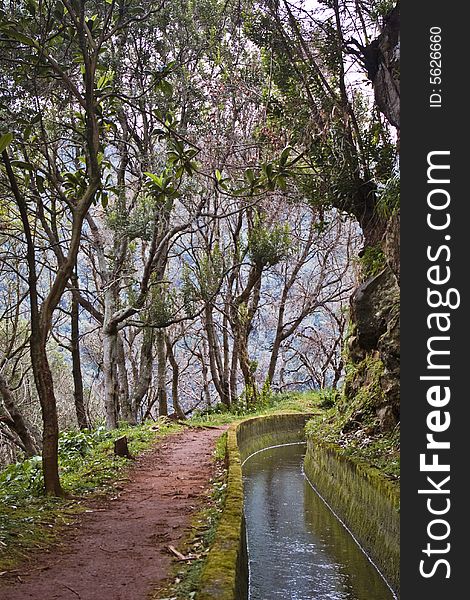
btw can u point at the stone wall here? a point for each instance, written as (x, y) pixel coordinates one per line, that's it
(364, 500)
(361, 496)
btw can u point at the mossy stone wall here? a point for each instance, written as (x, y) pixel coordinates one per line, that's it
(262, 432)
(366, 501)
(361, 496)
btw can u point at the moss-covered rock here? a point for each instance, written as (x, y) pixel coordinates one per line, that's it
(374, 341)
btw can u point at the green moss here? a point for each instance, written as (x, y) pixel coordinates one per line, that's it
(372, 261)
(352, 421)
(364, 499)
(219, 576)
(381, 451)
(362, 390)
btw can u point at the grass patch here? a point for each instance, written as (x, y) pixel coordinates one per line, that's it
(286, 402)
(32, 526)
(353, 424)
(29, 520)
(353, 427)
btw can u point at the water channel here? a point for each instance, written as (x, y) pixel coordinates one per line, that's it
(297, 548)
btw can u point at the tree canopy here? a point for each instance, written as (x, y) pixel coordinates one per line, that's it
(185, 190)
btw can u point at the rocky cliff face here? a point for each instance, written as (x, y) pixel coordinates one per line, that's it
(373, 349)
(372, 383)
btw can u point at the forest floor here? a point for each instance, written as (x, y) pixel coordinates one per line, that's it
(119, 548)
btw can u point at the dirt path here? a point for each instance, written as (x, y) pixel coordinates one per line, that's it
(120, 549)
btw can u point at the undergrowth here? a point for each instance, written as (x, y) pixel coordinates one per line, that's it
(292, 401)
(29, 520)
(353, 426)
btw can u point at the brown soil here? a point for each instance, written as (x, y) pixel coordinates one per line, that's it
(120, 550)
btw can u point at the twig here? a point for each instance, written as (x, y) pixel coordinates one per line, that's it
(72, 590)
(178, 554)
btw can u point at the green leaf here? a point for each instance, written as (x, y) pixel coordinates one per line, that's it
(281, 182)
(156, 179)
(218, 175)
(250, 176)
(285, 155)
(21, 164)
(267, 169)
(166, 87)
(5, 140)
(20, 37)
(105, 80)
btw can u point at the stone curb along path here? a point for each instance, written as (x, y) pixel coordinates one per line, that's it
(120, 551)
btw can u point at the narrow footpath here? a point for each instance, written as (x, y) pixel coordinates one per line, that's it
(120, 549)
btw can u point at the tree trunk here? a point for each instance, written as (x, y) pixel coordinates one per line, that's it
(338, 371)
(241, 322)
(234, 375)
(161, 374)
(110, 357)
(78, 395)
(226, 355)
(110, 375)
(251, 391)
(273, 361)
(50, 435)
(174, 381)
(123, 382)
(144, 378)
(205, 373)
(18, 423)
(215, 359)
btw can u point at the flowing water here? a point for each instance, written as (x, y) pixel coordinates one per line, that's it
(297, 548)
